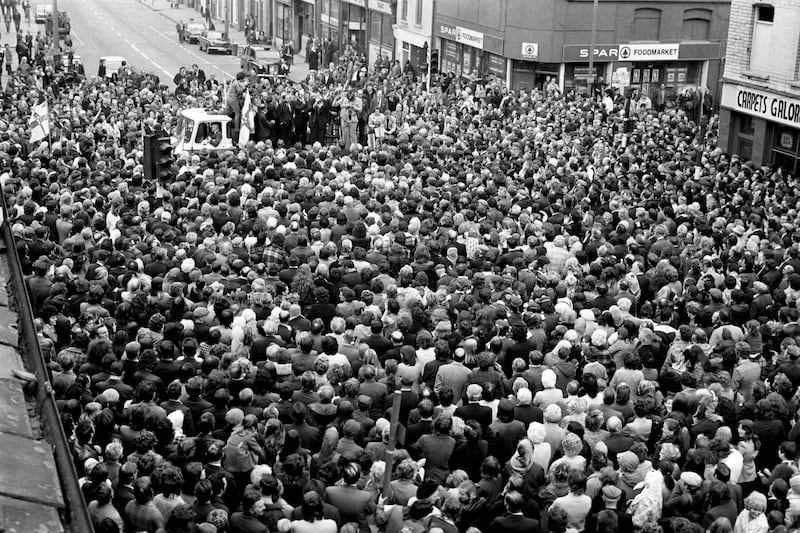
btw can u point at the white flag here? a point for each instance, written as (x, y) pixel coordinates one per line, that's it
(248, 120)
(39, 122)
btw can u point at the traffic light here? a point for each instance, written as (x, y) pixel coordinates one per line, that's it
(434, 62)
(149, 161)
(164, 158)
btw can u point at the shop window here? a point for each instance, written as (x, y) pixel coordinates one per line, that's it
(761, 48)
(403, 10)
(375, 26)
(418, 14)
(646, 24)
(696, 24)
(387, 32)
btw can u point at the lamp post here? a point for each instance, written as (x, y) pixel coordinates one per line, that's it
(56, 37)
(590, 76)
(227, 19)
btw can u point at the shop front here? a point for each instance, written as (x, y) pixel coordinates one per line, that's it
(471, 53)
(760, 125)
(642, 67)
(304, 19)
(284, 22)
(354, 23)
(329, 22)
(412, 47)
(381, 30)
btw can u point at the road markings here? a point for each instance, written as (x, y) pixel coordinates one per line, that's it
(189, 51)
(159, 67)
(76, 38)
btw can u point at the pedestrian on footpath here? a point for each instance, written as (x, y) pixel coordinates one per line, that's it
(180, 27)
(26, 6)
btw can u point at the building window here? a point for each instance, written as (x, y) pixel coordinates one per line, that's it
(381, 30)
(765, 13)
(403, 9)
(696, 24)
(646, 24)
(761, 53)
(418, 14)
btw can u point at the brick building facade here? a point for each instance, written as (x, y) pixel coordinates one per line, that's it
(678, 43)
(760, 103)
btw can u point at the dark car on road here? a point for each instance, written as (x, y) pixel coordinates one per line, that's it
(215, 41)
(193, 31)
(262, 60)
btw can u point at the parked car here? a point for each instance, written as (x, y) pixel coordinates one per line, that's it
(195, 132)
(42, 12)
(262, 60)
(215, 41)
(193, 31)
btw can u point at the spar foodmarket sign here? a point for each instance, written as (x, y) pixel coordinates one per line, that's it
(579, 53)
(461, 35)
(649, 52)
(763, 104)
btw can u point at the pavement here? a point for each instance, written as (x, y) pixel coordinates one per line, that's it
(298, 70)
(30, 492)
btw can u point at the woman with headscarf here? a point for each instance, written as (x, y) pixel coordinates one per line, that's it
(522, 459)
(327, 453)
(647, 505)
(243, 451)
(542, 451)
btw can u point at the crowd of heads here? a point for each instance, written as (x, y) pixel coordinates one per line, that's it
(577, 328)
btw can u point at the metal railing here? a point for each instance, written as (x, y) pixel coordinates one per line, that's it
(76, 513)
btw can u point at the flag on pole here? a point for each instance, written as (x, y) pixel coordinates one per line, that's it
(248, 120)
(39, 122)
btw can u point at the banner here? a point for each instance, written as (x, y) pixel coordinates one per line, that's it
(248, 120)
(39, 122)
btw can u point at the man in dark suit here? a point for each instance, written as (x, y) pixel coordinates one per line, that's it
(354, 505)
(616, 442)
(309, 435)
(249, 519)
(425, 424)
(409, 399)
(513, 521)
(285, 120)
(377, 341)
(474, 410)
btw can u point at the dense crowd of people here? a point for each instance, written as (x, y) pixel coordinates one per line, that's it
(584, 329)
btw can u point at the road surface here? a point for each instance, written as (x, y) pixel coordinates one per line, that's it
(146, 38)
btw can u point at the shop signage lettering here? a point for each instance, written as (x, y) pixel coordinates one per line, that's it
(579, 53)
(380, 5)
(649, 52)
(461, 35)
(763, 104)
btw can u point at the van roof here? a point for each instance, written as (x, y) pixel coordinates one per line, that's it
(199, 114)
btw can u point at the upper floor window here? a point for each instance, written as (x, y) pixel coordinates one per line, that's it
(696, 24)
(761, 53)
(646, 24)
